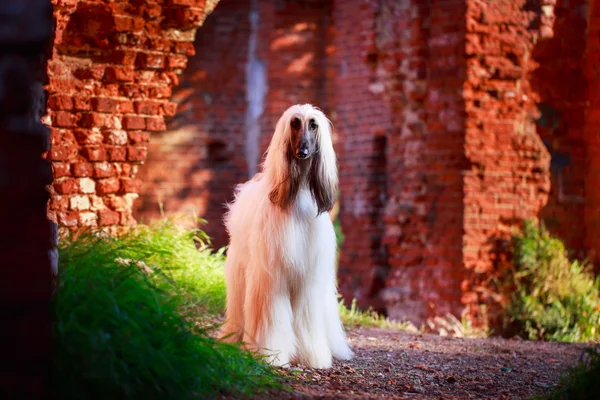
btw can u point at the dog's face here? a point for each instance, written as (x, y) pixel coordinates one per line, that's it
(304, 130)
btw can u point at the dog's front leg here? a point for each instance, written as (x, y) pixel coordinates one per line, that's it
(310, 326)
(268, 317)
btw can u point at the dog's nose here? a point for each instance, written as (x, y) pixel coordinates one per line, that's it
(303, 151)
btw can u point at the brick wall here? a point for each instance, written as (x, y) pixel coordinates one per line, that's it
(362, 120)
(111, 76)
(27, 237)
(253, 59)
(454, 121)
(560, 82)
(592, 135)
(193, 166)
(424, 211)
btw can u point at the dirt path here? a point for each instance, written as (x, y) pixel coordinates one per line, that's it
(397, 365)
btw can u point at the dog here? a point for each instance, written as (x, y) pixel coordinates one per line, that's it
(280, 269)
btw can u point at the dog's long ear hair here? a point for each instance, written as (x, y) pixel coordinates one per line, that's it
(279, 165)
(323, 178)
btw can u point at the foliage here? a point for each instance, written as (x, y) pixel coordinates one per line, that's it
(125, 323)
(582, 382)
(551, 297)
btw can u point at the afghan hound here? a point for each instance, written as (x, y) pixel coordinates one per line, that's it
(280, 268)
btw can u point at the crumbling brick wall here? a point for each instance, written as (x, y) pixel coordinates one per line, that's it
(194, 165)
(455, 120)
(253, 60)
(27, 238)
(508, 178)
(592, 136)
(111, 76)
(560, 82)
(464, 160)
(362, 120)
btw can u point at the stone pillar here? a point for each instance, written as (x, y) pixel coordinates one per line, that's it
(26, 236)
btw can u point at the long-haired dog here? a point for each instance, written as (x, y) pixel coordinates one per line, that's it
(280, 268)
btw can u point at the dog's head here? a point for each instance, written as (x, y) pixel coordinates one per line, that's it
(301, 151)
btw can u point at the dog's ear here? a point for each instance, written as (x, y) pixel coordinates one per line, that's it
(321, 186)
(287, 182)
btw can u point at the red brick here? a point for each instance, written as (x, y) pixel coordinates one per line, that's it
(177, 61)
(156, 124)
(104, 170)
(133, 122)
(137, 153)
(125, 107)
(147, 107)
(58, 203)
(117, 153)
(115, 137)
(60, 102)
(88, 137)
(107, 186)
(66, 186)
(94, 153)
(108, 217)
(131, 185)
(64, 119)
(138, 137)
(92, 72)
(104, 105)
(185, 48)
(61, 169)
(92, 120)
(62, 153)
(68, 218)
(159, 44)
(122, 57)
(81, 103)
(83, 169)
(150, 60)
(119, 74)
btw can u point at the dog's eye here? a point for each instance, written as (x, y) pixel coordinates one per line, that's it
(312, 125)
(296, 123)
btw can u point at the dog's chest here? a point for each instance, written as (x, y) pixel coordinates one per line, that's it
(300, 234)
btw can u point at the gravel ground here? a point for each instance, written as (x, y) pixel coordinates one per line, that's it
(391, 364)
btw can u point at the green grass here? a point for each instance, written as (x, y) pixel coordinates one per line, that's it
(354, 317)
(126, 315)
(581, 382)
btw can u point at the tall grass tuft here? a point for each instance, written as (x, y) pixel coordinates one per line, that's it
(127, 323)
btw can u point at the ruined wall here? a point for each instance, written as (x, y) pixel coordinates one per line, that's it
(253, 60)
(362, 120)
(193, 166)
(592, 135)
(559, 79)
(421, 65)
(111, 76)
(508, 178)
(27, 237)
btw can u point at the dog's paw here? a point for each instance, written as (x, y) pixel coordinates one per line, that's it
(343, 353)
